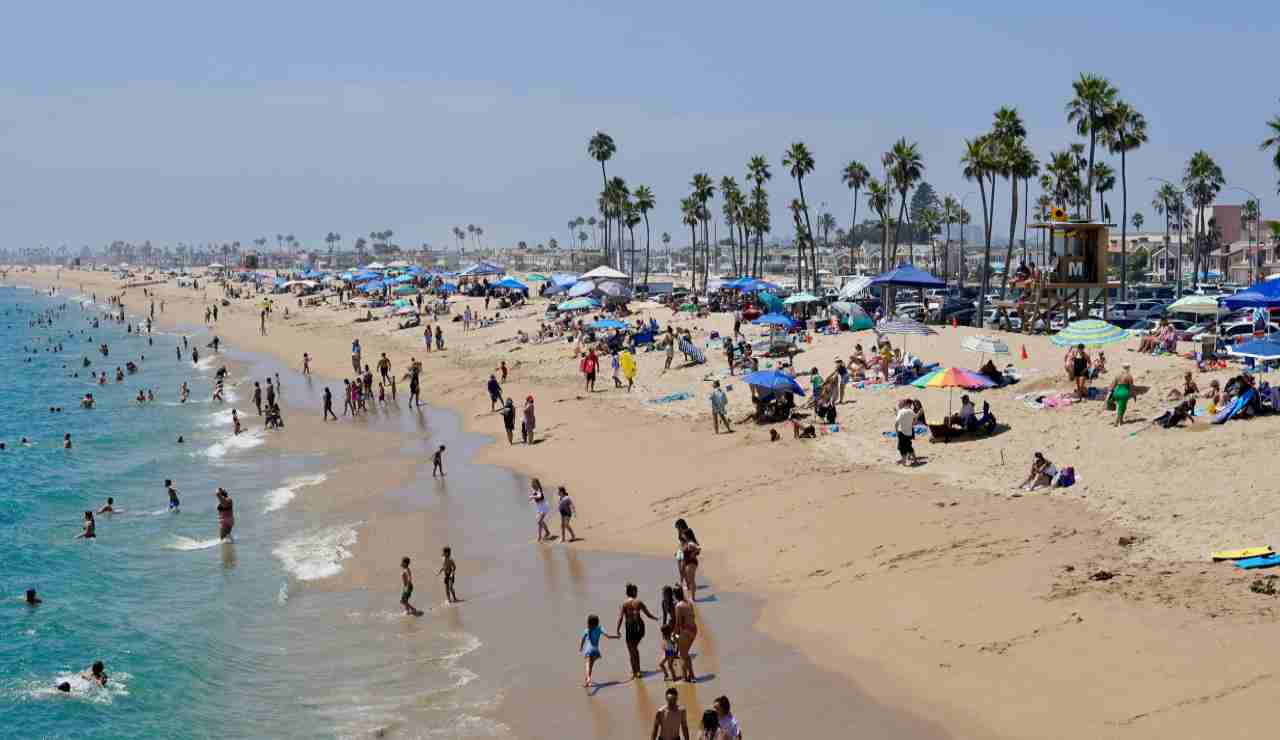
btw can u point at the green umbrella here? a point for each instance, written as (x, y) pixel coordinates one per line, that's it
(1089, 332)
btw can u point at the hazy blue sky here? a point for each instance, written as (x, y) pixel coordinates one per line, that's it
(226, 121)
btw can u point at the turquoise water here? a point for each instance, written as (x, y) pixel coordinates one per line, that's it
(199, 638)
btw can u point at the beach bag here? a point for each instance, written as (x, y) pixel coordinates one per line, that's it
(1066, 478)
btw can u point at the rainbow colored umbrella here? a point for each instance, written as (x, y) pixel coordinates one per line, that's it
(953, 377)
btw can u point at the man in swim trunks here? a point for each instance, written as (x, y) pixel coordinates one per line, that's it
(671, 723)
(448, 569)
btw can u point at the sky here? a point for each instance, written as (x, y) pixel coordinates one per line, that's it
(228, 121)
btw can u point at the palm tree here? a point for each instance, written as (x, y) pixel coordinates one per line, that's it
(799, 162)
(1128, 131)
(1273, 141)
(1090, 110)
(631, 219)
(930, 221)
(1137, 221)
(758, 172)
(689, 217)
(1203, 180)
(601, 148)
(1013, 160)
(645, 202)
(703, 190)
(880, 199)
(1104, 180)
(666, 247)
(950, 214)
(981, 163)
(855, 177)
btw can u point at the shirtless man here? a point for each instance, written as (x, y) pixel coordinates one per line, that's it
(671, 723)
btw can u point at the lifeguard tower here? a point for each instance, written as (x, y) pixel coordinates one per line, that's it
(1075, 276)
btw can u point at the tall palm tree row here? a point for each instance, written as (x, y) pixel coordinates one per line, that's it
(905, 168)
(758, 172)
(855, 178)
(703, 190)
(981, 162)
(1203, 180)
(1091, 111)
(644, 203)
(601, 148)
(1013, 160)
(799, 163)
(689, 217)
(1128, 132)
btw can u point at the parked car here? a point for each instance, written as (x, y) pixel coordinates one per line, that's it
(1231, 331)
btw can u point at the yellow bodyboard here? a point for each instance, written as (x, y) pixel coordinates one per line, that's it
(1247, 552)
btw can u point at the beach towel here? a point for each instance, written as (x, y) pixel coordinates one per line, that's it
(672, 398)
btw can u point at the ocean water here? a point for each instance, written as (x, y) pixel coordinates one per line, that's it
(200, 638)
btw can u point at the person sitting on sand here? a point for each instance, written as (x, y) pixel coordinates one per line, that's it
(1042, 474)
(1189, 388)
(1214, 395)
(1184, 411)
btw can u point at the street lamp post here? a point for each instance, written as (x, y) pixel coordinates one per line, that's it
(1182, 233)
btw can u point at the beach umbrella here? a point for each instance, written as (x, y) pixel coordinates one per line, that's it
(1258, 349)
(774, 380)
(511, 284)
(582, 288)
(576, 304)
(1201, 305)
(801, 298)
(614, 290)
(604, 272)
(607, 324)
(1089, 332)
(985, 345)
(760, 285)
(375, 266)
(404, 279)
(904, 327)
(954, 377)
(689, 307)
(406, 290)
(536, 278)
(775, 319)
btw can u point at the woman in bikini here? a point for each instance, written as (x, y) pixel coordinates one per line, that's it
(226, 514)
(689, 566)
(632, 613)
(686, 629)
(539, 499)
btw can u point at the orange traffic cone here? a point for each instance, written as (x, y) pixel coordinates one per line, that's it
(1024, 351)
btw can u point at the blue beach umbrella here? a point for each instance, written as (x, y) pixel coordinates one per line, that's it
(1258, 349)
(775, 319)
(511, 284)
(1089, 332)
(578, 303)
(607, 324)
(774, 380)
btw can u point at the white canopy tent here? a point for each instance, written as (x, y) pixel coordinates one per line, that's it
(604, 272)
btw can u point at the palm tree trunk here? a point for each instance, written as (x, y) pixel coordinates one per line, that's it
(979, 320)
(853, 227)
(808, 227)
(1026, 213)
(1013, 229)
(1093, 142)
(897, 231)
(646, 247)
(1124, 230)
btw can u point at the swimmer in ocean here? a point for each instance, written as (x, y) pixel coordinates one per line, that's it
(97, 673)
(32, 599)
(109, 507)
(174, 503)
(89, 527)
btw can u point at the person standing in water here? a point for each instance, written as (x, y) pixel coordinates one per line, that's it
(686, 629)
(671, 723)
(328, 406)
(90, 527)
(632, 614)
(541, 509)
(306, 364)
(437, 462)
(174, 503)
(226, 514)
(567, 512)
(406, 588)
(589, 646)
(448, 569)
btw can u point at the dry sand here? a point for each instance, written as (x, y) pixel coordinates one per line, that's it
(932, 588)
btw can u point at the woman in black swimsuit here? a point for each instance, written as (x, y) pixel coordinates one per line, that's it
(89, 526)
(632, 613)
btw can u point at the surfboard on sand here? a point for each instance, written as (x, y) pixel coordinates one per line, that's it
(1241, 554)
(1267, 561)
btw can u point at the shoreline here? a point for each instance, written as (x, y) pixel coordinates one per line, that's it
(958, 597)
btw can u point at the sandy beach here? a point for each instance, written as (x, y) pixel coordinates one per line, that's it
(931, 600)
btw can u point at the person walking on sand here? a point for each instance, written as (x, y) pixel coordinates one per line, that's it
(384, 368)
(226, 515)
(448, 569)
(539, 499)
(328, 406)
(1121, 390)
(686, 628)
(719, 408)
(588, 367)
(670, 723)
(709, 727)
(567, 512)
(632, 613)
(671, 349)
(439, 339)
(509, 420)
(628, 361)
(904, 426)
(306, 364)
(406, 588)
(530, 421)
(437, 462)
(724, 715)
(589, 646)
(495, 393)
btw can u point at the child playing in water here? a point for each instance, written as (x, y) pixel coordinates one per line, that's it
(406, 588)
(667, 661)
(589, 645)
(448, 569)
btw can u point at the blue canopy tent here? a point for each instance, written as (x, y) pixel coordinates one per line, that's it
(1258, 349)
(1265, 294)
(771, 302)
(759, 285)
(775, 319)
(404, 279)
(737, 283)
(906, 276)
(481, 269)
(373, 286)
(511, 284)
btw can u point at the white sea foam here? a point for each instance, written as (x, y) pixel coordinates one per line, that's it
(282, 596)
(186, 543)
(278, 498)
(82, 689)
(319, 553)
(233, 443)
